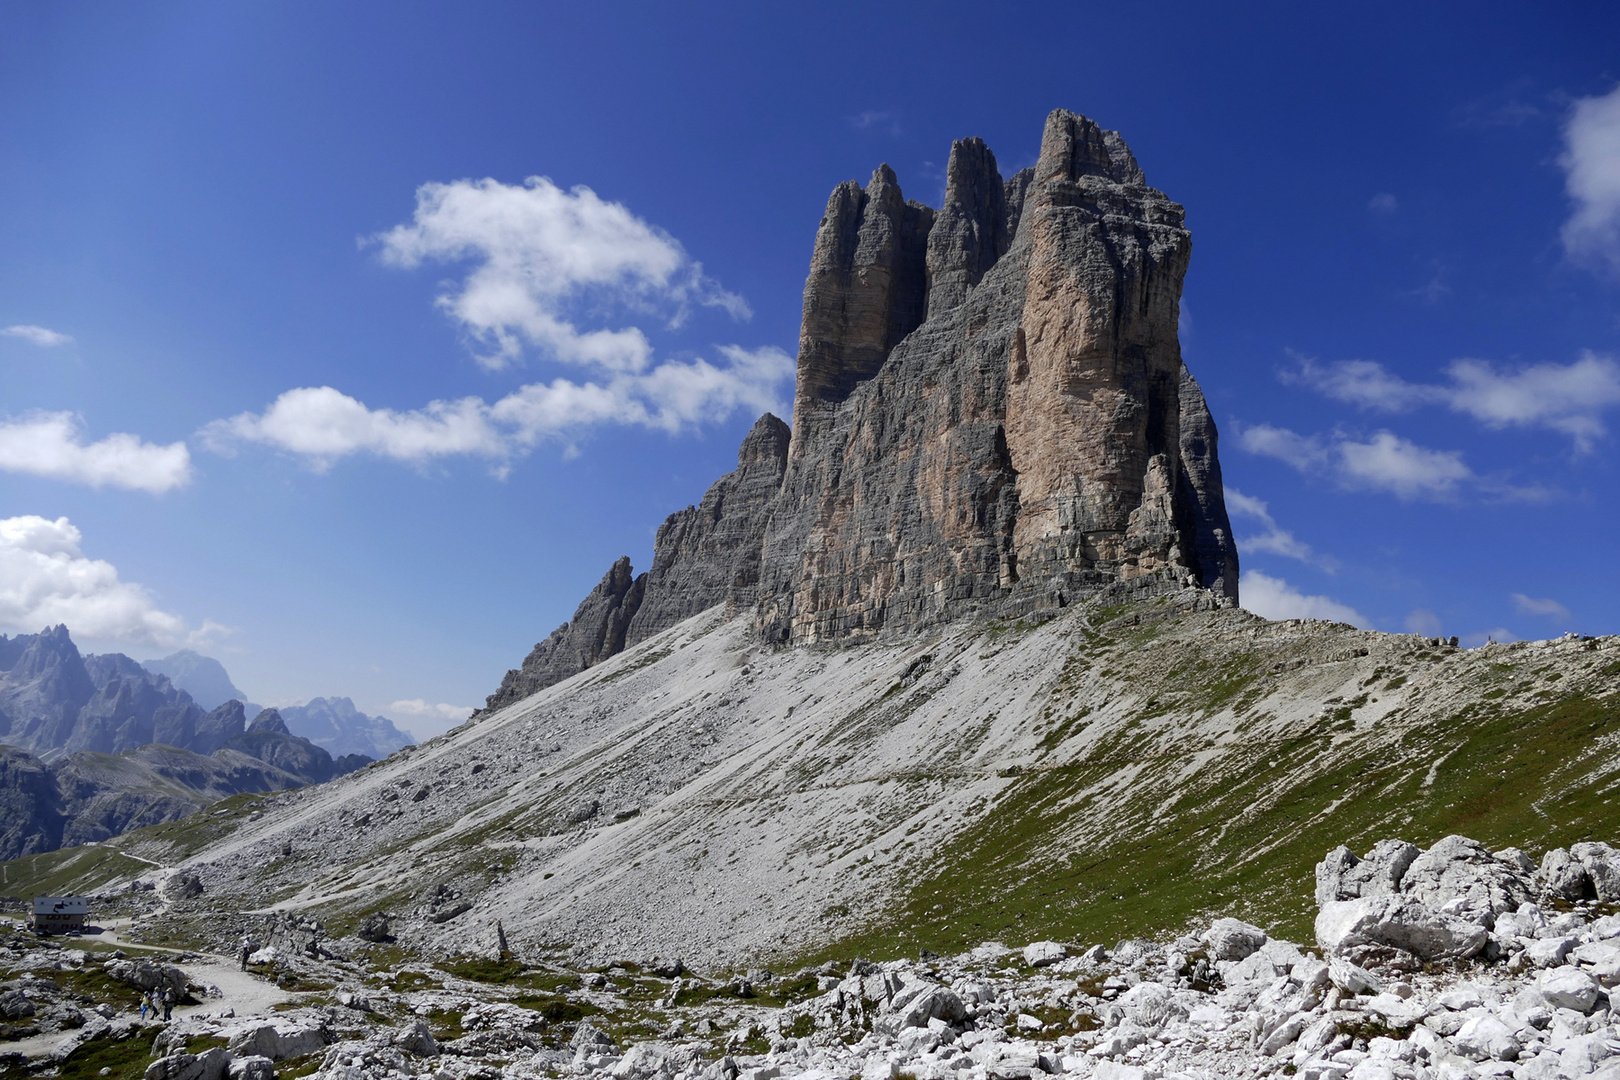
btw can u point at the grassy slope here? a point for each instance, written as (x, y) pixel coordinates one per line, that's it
(1528, 759)
(86, 868)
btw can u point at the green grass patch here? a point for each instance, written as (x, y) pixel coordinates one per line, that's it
(126, 1059)
(1063, 854)
(556, 1009)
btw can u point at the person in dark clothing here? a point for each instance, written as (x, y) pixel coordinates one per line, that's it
(168, 1002)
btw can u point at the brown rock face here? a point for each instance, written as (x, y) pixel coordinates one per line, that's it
(1024, 445)
(991, 418)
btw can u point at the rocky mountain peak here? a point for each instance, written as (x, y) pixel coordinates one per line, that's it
(269, 720)
(991, 419)
(766, 443)
(1073, 147)
(972, 229)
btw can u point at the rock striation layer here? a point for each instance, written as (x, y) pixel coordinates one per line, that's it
(991, 419)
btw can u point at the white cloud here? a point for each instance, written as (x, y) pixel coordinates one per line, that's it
(1275, 540)
(1423, 622)
(51, 445)
(420, 709)
(37, 335)
(425, 719)
(1364, 383)
(543, 260)
(1385, 462)
(45, 579)
(876, 120)
(1383, 203)
(1568, 398)
(1274, 598)
(1302, 452)
(322, 425)
(544, 254)
(1546, 608)
(1591, 161)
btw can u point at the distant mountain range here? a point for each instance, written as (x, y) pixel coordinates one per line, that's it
(99, 744)
(333, 724)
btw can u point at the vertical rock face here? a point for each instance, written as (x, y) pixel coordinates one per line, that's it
(973, 229)
(710, 552)
(868, 289)
(704, 555)
(1024, 445)
(992, 418)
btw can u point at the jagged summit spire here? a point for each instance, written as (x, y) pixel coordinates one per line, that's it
(991, 417)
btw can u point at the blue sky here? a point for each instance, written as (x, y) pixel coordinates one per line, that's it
(354, 341)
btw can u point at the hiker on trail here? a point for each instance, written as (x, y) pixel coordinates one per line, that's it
(146, 1000)
(247, 950)
(168, 1002)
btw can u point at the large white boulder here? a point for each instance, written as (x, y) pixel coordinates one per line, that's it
(1601, 958)
(1457, 868)
(1353, 979)
(276, 1040)
(1045, 953)
(1398, 922)
(1232, 939)
(209, 1065)
(1484, 1038)
(1550, 951)
(1568, 988)
(1345, 876)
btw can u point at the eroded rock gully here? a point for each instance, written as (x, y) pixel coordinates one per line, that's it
(991, 418)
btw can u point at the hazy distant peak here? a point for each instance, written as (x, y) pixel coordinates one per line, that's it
(203, 677)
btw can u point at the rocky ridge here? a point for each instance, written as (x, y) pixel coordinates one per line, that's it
(991, 419)
(95, 745)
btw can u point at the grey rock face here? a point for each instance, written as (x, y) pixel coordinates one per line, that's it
(709, 553)
(44, 687)
(30, 805)
(868, 289)
(596, 632)
(973, 228)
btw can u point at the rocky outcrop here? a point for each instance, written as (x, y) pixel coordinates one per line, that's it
(867, 290)
(710, 552)
(991, 419)
(203, 677)
(269, 740)
(596, 632)
(30, 805)
(1024, 446)
(90, 796)
(702, 556)
(336, 726)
